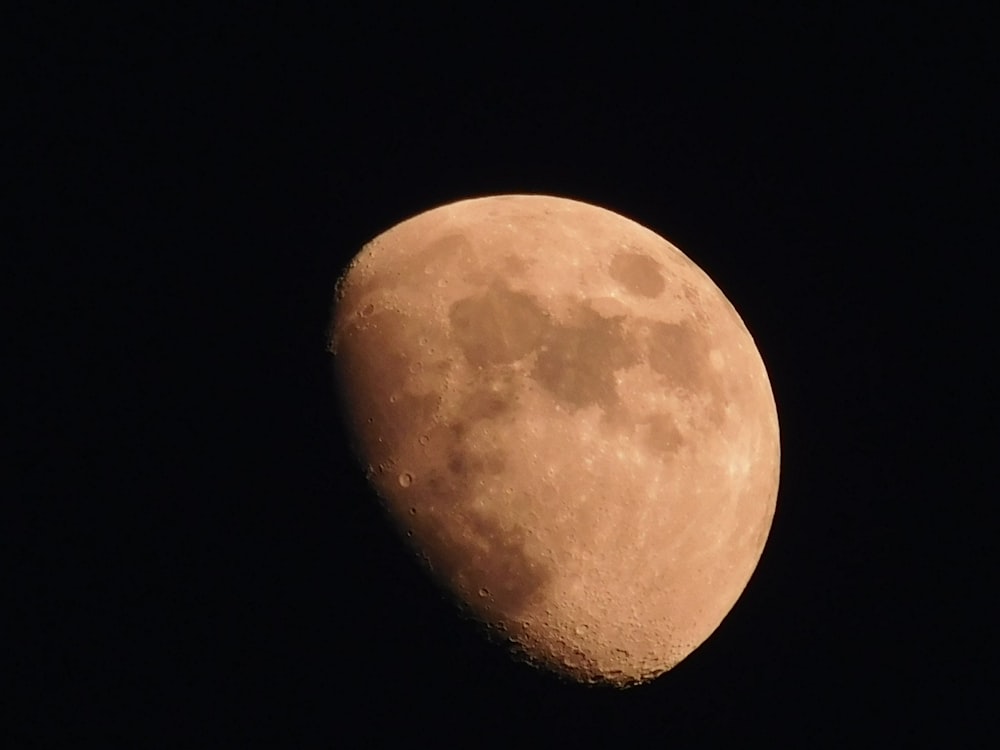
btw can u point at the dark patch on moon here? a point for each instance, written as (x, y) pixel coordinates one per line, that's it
(497, 327)
(468, 550)
(578, 362)
(638, 273)
(495, 559)
(679, 353)
(486, 404)
(575, 361)
(514, 265)
(664, 437)
(494, 395)
(473, 463)
(434, 510)
(438, 254)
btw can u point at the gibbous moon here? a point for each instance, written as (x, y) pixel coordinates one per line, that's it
(568, 420)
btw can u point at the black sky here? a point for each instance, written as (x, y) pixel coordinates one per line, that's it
(194, 558)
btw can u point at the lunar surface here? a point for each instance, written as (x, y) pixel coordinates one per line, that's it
(569, 422)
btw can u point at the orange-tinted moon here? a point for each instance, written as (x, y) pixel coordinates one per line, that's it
(569, 421)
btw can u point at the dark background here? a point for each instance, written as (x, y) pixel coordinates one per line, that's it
(195, 560)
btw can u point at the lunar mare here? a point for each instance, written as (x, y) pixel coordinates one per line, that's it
(569, 421)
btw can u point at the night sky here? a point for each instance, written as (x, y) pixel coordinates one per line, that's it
(195, 560)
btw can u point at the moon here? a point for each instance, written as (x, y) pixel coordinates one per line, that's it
(568, 421)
